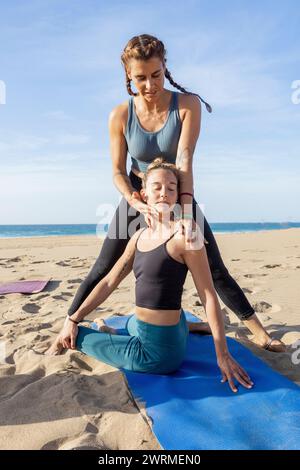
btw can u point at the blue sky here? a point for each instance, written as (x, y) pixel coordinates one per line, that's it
(60, 63)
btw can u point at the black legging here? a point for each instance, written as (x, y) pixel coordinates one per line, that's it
(118, 237)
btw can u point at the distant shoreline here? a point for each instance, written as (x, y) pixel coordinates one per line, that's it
(8, 232)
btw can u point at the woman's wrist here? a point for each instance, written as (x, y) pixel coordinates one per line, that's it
(221, 350)
(186, 193)
(133, 198)
(77, 316)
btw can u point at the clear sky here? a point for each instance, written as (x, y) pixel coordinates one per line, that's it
(60, 64)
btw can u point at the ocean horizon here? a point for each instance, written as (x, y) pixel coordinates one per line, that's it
(44, 230)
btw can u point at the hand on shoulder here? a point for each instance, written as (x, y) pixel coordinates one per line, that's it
(187, 246)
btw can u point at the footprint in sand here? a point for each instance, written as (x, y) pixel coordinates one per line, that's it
(62, 263)
(88, 441)
(41, 326)
(14, 260)
(275, 308)
(262, 306)
(247, 291)
(31, 308)
(235, 259)
(250, 276)
(74, 281)
(271, 266)
(42, 296)
(61, 297)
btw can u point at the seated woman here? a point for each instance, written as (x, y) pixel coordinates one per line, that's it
(158, 331)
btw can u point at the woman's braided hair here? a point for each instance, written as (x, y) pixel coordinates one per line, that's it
(145, 47)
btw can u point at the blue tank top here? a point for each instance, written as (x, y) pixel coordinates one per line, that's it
(144, 146)
(159, 278)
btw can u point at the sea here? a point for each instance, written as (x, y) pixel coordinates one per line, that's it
(100, 230)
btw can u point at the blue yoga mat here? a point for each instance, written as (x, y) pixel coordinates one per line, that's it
(192, 409)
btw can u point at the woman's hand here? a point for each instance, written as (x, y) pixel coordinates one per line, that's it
(68, 334)
(188, 228)
(193, 236)
(232, 370)
(149, 212)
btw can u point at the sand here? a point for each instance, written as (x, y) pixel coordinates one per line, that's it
(74, 401)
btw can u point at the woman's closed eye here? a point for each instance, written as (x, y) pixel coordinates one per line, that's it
(159, 189)
(140, 79)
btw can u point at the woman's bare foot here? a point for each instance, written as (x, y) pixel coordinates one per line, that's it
(269, 343)
(260, 337)
(104, 328)
(199, 327)
(55, 349)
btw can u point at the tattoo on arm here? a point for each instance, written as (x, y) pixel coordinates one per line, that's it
(184, 156)
(120, 173)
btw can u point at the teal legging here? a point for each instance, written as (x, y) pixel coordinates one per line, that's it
(144, 347)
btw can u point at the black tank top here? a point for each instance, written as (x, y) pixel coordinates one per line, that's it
(159, 278)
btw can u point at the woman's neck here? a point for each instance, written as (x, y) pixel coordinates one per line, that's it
(157, 107)
(162, 227)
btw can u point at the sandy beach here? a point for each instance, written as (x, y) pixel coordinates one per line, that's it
(73, 401)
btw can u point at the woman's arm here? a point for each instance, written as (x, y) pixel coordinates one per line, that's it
(190, 131)
(110, 282)
(197, 262)
(118, 150)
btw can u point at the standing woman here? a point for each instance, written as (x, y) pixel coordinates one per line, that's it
(157, 121)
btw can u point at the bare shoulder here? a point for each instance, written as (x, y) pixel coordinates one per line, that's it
(186, 250)
(188, 103)
(180, 244)
(119, 115)
(133, 239)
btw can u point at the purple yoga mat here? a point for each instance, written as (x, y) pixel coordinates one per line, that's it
(23, 287)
